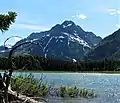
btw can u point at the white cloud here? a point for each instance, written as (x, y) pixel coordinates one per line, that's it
(31, 27)
(113, 11)
(80, 16)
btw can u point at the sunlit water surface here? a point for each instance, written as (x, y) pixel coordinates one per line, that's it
(106, 85)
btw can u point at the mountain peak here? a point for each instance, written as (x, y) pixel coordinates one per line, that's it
(67, 23)
(66, 41)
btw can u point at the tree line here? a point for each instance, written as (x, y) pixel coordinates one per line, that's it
(49, 64)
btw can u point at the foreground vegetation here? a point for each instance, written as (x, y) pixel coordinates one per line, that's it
(76, 92)
(30, 86)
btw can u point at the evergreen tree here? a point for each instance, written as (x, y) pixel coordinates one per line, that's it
(6, 20)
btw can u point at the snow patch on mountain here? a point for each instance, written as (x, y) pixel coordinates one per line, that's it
(61, 37)
(69, 25)
(74, 38)
(74, 60)
(75, 31)
(65, 33)
(57, 40)
(56, 37)
(65, 26)
(61, 40)
(47, 43)
(48, 35)
(75, 34)
(78, 39)
(34, 40)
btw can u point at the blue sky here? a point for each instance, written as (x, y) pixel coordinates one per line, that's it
(99, 16)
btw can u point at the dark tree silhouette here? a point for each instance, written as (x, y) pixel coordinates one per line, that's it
(5, 21)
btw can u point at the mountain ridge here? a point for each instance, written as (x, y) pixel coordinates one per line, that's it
(108, 48)
(64, 41)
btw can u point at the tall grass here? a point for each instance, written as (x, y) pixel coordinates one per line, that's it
(29, 85)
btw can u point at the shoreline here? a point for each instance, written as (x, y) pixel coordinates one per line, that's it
(83, 72)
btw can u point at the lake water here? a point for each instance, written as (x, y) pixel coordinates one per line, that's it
(106, 85)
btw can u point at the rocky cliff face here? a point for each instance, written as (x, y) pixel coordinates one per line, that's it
(64, 41)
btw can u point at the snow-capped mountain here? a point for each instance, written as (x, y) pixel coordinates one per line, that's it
(65, 41)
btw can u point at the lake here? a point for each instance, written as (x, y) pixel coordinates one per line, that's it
(106, 85)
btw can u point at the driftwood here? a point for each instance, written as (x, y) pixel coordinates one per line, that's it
(5, 80)
(23, 98)
(13, 96)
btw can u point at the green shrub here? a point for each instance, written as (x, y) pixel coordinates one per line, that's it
(84, 93)
(28, 85)
(72, 91)
(63, 91)
(75, 92)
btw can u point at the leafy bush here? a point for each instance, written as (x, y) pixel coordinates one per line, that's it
(28, 85)
(75, 92)
(72, 91)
